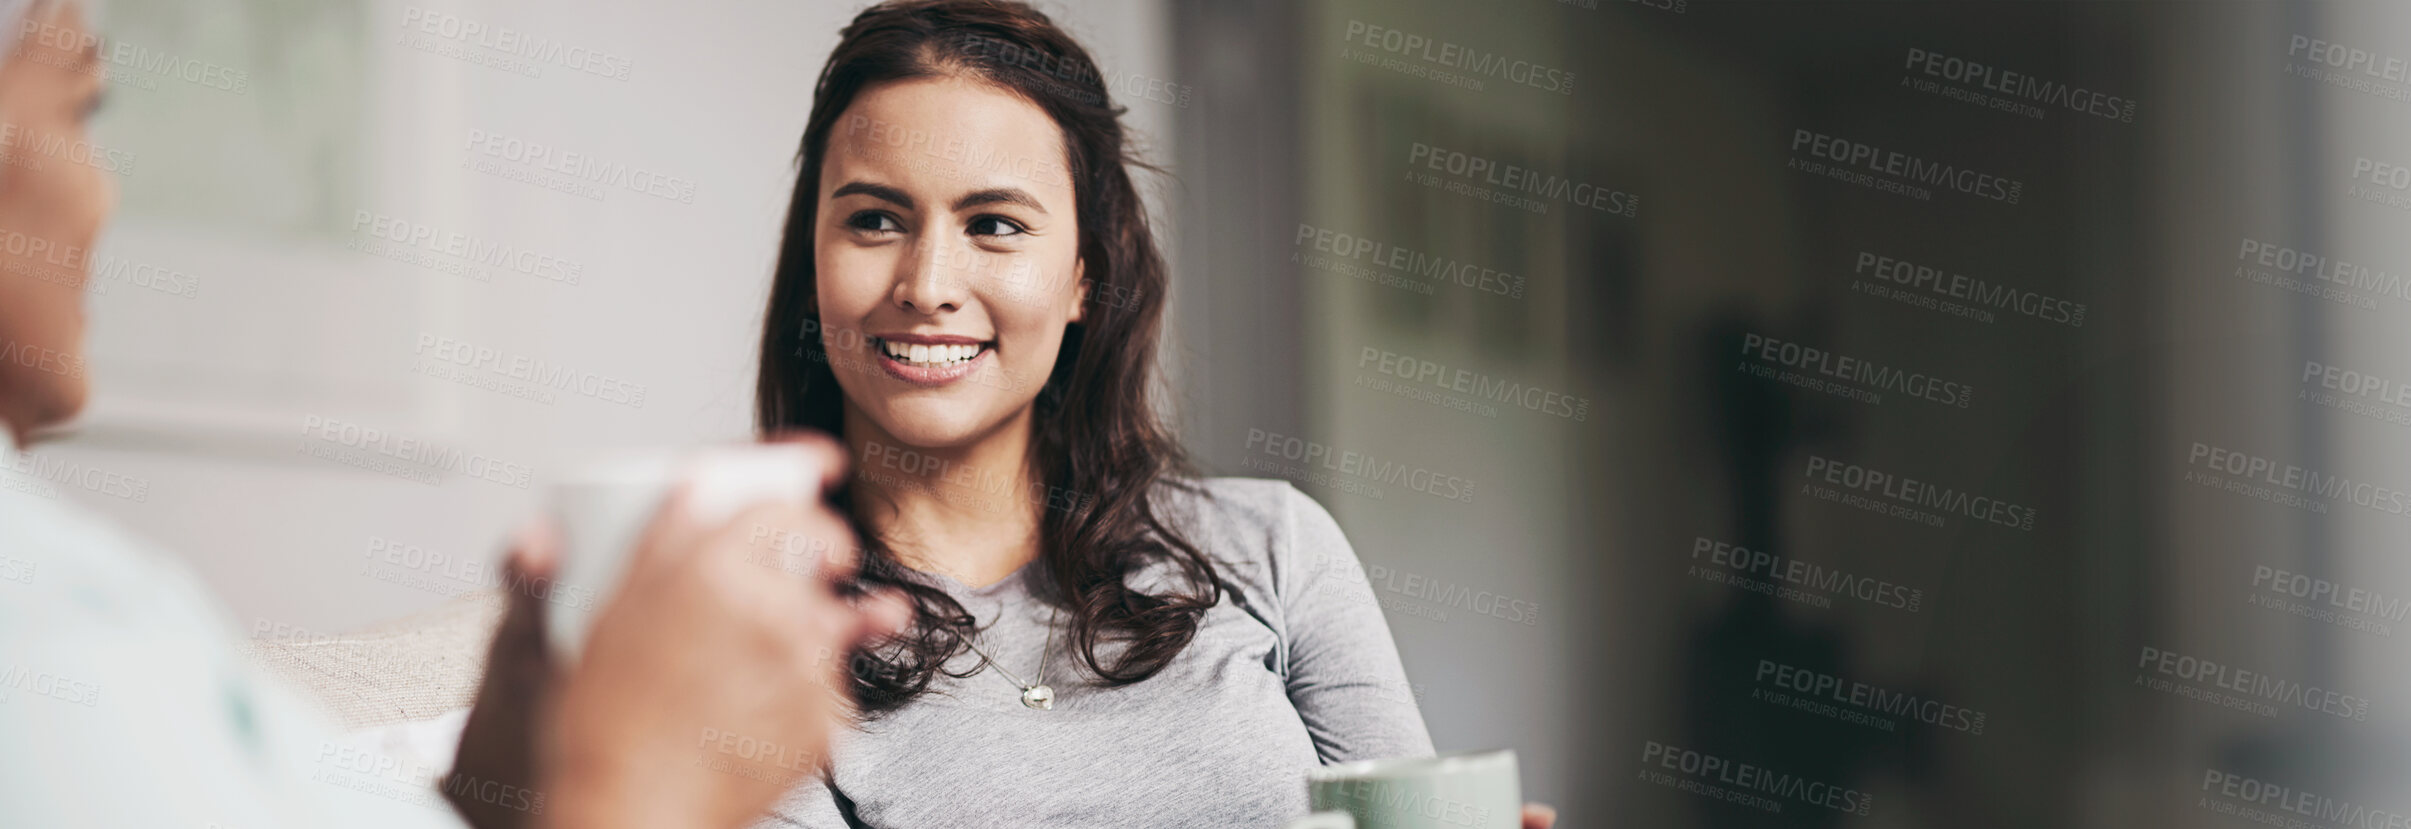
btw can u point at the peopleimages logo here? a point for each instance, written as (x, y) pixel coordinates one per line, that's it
(1467, 381)
(2240, 788)
(2295, 484)
(509, 41)
(1819, 687)
(1859, 155)
(1806, 574)
(533, 377)
(2359, 384)
(1320, 462)
(1446, 54)
(583, 174)
(960, 150)
(2207, 679)
(1451, 594)
(2333, 594)
(1976, 290)
(1918, 493)
(38, 472)
(384, 452)
(122, 55)
(1727, 779)
(957, 482)
(1842, 367)
(1992, 78)
(18, 570)
(46, 684)
(467, 247)
(450, 575)
(2340, 56)
(18, 145)
(2347, 67)
(1438, 269)
(42, 359)
(2395, 178)
(1071, 79)
(1511, 179)
(2262, 257)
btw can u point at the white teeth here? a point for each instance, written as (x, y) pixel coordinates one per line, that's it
(929, 355)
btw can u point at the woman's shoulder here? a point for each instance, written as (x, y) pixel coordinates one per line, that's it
(1231, 498)
(1263, 525)
(1244, 507)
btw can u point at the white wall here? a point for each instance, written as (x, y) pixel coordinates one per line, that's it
(204, 399)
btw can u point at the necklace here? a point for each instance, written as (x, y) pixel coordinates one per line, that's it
(1033, 694)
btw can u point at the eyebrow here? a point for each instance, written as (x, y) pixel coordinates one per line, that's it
(881, 192)
(998, 195)
(993, 195)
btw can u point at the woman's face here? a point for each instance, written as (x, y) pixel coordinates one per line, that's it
(947, 258)
(51, 207)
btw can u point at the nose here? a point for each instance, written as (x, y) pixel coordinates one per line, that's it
(925, 281)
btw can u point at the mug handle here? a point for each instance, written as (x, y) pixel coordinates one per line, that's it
(1325, 820)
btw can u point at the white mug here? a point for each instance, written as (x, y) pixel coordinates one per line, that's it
(604, 508)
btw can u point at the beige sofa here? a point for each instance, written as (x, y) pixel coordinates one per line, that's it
(410, 669)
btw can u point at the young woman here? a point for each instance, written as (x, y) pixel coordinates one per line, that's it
(969, 296)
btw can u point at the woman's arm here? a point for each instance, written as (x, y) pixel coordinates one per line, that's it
(1345, 676)
(1344, 673)
(812, 804)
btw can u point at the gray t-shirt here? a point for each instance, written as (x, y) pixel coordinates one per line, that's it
(1295, 668)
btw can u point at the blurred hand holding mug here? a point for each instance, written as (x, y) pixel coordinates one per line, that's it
(605, 506)
(697, 638)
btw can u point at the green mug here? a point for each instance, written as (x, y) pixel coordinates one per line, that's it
(1470, 790)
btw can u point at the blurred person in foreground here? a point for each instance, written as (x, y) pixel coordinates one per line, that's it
(124, 700)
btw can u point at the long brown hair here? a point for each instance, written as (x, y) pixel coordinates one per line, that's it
(1097, 440)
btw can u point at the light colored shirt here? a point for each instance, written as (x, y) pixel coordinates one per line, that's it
(125, 699)
(1295, 668)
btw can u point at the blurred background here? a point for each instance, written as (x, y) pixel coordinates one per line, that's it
(2122, 284)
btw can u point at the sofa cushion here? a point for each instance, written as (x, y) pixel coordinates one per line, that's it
(414, 668)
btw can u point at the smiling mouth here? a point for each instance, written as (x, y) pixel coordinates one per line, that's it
(931, 356)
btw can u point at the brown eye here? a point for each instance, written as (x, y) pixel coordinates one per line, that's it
(995, 226)
(874, 221)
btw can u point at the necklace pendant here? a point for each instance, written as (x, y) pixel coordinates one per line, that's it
(1039, 697)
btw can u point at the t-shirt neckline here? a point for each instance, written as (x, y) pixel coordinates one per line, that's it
(1000, 585)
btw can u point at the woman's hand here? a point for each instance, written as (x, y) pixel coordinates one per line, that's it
(710, 683)
(1539, 816)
